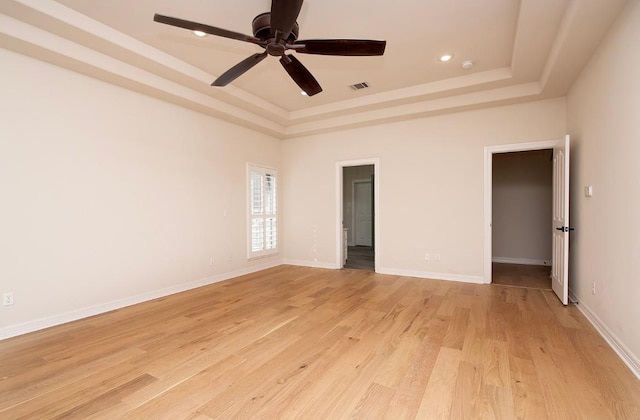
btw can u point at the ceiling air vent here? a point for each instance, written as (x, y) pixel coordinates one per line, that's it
(361, 85)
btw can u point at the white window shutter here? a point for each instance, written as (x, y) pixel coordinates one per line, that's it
(262, 214)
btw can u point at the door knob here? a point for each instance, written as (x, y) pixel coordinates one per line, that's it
(565, 229)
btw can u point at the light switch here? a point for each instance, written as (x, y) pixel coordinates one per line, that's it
(588, 191)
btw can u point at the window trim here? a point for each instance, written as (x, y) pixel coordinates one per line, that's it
(264, 170)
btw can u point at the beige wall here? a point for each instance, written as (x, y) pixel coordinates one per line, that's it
(603, 119)
(108, 194)
(521, 228)
(430, 186)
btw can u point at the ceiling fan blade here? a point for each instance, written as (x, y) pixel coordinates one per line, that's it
(300, 75)
(283, 16)
(350, 47)
(239, 69)
(211, 30)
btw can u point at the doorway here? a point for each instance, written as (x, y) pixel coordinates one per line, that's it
(560, 209)
(357, 216)
(522, 218)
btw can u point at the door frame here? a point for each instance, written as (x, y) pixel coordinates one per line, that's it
(340, 165)
(489, 151)
(353, 205)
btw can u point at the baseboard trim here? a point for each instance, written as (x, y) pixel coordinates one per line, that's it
(429, 275)
(521, 261)
(63, 318)
(627, 356)
(395, 272)
(313, 264)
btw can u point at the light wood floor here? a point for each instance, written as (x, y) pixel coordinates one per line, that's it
(294, 342)
(361, 258)
(535, 276)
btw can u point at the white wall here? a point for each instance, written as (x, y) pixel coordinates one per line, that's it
(522, 193)
(603, 111)
(107, 194)
(430, 186)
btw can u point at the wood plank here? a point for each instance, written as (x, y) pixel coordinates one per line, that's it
(439, 395)
(410, 390)
(528, 401)
(374, 403)
(456, 332)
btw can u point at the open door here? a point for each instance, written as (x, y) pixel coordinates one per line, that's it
(560, 247)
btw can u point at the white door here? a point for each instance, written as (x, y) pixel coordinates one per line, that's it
(560, 248)
(362, 210)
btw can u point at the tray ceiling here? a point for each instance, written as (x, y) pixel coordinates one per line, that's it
(521, 50)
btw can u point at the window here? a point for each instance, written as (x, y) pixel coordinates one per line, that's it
(263, 220)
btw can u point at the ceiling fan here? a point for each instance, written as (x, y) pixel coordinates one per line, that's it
(277, 32)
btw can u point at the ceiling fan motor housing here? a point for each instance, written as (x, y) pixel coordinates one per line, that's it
(262, 28)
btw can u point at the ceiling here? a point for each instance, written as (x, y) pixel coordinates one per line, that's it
(521, 50)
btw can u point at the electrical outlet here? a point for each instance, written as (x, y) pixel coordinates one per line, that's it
(593, 288)
(7, 299)
(212, 261)
(436, 257)
(427, 257)
(588, 191)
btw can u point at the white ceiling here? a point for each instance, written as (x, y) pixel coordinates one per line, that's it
(522, 50)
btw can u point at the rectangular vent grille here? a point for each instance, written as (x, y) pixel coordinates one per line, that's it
(361, 85)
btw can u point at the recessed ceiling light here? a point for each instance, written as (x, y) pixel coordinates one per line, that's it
(467, 64)
(200, 33)
(445, 57)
